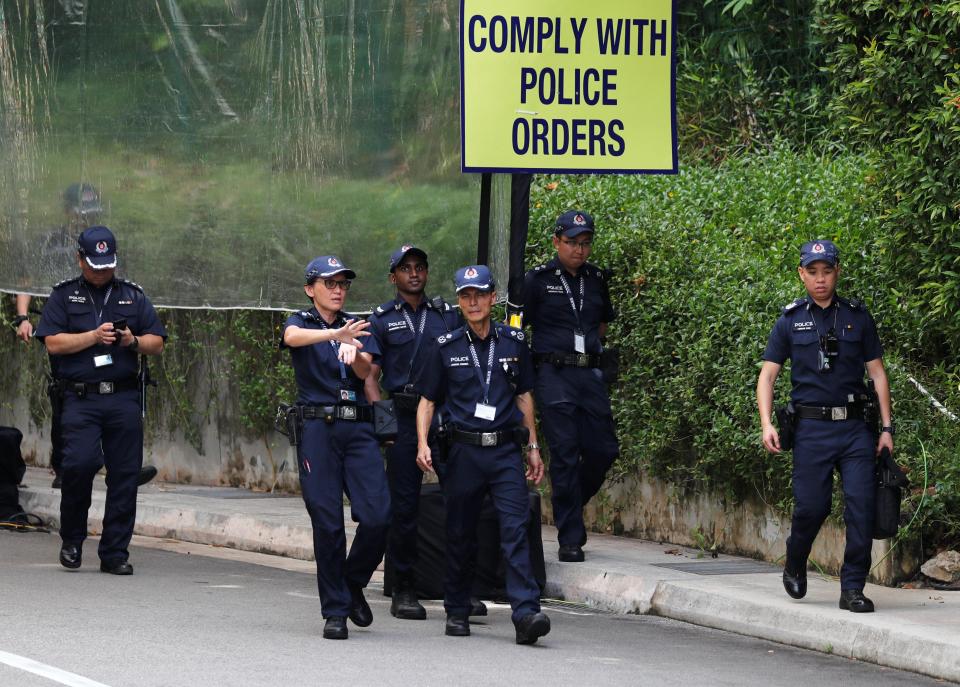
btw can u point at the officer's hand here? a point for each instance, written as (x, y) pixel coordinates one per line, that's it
(105, 334)
(534, 466)
(126, 336)
(25, 331)
(771, 439)
(885, 442)
(349, 332)
(347, 354)
(424, 460)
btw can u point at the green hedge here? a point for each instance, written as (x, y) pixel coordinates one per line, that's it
(702, 264)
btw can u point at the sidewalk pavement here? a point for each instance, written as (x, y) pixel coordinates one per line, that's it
(915, 630)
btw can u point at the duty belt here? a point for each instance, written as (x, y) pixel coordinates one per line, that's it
(83, 388)
(568, 359)
(338, 412)
(506, 436)
(847, 412)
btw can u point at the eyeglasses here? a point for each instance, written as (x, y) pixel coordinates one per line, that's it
(418, 268)
(334, 284)
(578, 245)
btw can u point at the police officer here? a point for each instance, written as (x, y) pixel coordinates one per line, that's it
(566, 303)
(400, 326)
(483, 374)
(338, 452)
(97, 325)
(829, 341)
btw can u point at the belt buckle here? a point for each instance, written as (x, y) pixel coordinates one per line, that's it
(348, 412)
(838, 413)
(105, 388)
(488, 438)
(583, 360)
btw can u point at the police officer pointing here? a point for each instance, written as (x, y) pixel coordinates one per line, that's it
(483, 374)
(401, 326)
(338, 452)
(567, 305)
(830, 341)
(96, 325)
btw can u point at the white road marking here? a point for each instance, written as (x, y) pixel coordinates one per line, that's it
(48, 672)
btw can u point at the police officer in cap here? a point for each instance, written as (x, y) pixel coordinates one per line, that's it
(567, 305)
(338, 452)
(401, 326)
(97, 325)
(830, 341)
(483, 374)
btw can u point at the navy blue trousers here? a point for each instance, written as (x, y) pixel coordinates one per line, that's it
(578, 425)
(343, 457)
(100, 430)
(472, 472)
(405, 479)
(820, 447)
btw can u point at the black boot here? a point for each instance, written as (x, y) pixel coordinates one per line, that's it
(477, 607)
(405, 605)
(531, 627)
(457, 626)
(853, 600)
(336, 628)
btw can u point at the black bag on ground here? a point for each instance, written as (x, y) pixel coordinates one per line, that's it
(12, 469)
(891, 480)
(489, 578)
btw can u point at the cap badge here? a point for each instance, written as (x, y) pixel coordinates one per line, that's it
(579, 220)
(102, 247)
(470, 273)
(405, 248)
(818, 248)
(333, 262)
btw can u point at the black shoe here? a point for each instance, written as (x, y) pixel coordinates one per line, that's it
(457, 626)
(57, 482)
(795, 585)
(70, 556)
(116, 567)
(406, 606)
(335, 628)
(571, 554)
(147, 473)
(360, 612)
(477, 607)
(853, 600)
(531, 627)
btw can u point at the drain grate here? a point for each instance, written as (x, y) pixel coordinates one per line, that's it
(711, 567)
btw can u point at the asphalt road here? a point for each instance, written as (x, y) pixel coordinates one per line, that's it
(200, 616)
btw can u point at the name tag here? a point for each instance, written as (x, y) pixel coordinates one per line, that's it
(485, 412)
(348, 395)
(102, 360)
(579, 342)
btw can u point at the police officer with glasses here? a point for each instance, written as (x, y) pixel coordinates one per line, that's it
(401, 326)
(830, 341)
(566, 304)
(337, 452)
(483, 374)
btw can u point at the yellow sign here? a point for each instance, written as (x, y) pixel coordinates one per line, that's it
(567, 86)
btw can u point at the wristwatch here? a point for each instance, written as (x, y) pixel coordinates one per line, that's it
(888, 428)
(20, 319)
(533, 446)
(135, 344)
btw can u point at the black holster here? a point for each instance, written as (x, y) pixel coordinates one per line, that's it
(289, 422)
(786, 422)
(55, 394)
(441, 438)
(610, 365)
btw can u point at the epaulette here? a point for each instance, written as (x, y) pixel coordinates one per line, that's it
(854, 303)
(790, 307)
(382, 309)
(512, 332)
(439, 304)
(65, 282)
(444, 339)
(131, 283)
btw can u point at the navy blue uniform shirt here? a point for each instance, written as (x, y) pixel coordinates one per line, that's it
(449, 376)
(397, 337)
(320, 375)
(796, 336)
(75, 307)
(549, 313)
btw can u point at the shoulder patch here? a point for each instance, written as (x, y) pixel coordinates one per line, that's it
(854, 303)
(133, 284)
(790, 307)
(65, 282)
(449, 336)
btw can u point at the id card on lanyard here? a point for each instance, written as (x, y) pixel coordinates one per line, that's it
(484, 410)
(579, 338)
(104, 359)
